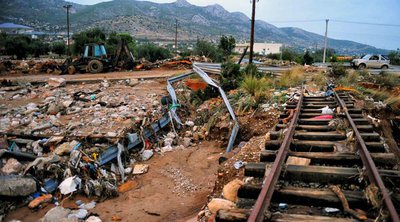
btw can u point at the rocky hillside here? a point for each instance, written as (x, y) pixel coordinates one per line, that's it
(154, 21)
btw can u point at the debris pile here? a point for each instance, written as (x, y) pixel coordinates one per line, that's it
(48, 66)
(59, 139)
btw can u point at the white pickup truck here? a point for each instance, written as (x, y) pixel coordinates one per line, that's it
(371, 61)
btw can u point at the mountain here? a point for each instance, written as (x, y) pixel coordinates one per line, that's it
(154, 21)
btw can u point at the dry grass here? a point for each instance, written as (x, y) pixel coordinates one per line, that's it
(293, 77)
(350, 79)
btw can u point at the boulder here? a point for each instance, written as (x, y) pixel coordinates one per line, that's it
(16, 186)
(56, 214)
(56, 82)
(12, 167)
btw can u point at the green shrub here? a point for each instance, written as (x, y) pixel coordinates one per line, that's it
(58, 48)
(387, 80)
(251, 69)
(254, 85)
(338, 69)
(152, 52)
(230, 76)
(307, 59)
(209, 50)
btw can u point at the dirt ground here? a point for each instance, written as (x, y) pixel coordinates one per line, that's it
(148, 74)
(174, 189)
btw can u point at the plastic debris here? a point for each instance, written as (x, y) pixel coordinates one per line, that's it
(327, 110)
(80, 214)
(283, 206)
(238, 164)
(330, 210)
(69, 185)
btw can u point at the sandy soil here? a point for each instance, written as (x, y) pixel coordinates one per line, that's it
(174, 189)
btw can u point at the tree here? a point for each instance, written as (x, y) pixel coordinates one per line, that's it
(91, 36)
(38, 48)
(152, 52)
(307, 58)
(209, 50)
(226, 45)
(114, 38)
(58, 48)
(18, 45)
(394, 57)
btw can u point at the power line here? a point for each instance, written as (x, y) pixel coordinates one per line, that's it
(366, 23)
(298, 21)
(338, 21)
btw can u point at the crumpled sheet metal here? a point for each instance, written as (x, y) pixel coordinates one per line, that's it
(209, 81)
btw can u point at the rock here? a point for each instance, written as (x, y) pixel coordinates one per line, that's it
(93, 219)
(111, 134)
(12, 167)
(53, 109)
(168, 141)
(188, 134)
(165, 149)
(186, 142)
(195, 128)
(15, 123)
(56, 214)
(79, 214)
(140, 169)
(63, 149)
(16, 186)
(231, 189)
(189, 123)
(133, 82)
(56, 82)
(96, 122)
(67, 103)
(217, 204)
(147, 154)
(156, 103)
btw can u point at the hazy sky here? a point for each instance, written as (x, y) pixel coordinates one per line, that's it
(294, 13)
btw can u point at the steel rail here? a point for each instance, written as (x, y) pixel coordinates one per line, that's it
(264, 199)
(369, 164)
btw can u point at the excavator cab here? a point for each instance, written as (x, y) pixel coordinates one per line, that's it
(95, 50)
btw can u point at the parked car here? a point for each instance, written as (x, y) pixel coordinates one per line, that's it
(371, 61)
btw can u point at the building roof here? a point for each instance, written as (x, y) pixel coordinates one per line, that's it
(13, 26)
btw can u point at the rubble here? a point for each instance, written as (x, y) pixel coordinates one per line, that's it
(56, 82)
(12, 167)
(56, 214)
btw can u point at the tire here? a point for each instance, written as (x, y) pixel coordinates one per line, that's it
(71, 70)
(362, 66)
(95, 66)
(384, 67)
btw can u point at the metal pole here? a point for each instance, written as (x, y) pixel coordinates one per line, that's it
(176, 34)
(253, 15)
(69, 49)
(326, 40)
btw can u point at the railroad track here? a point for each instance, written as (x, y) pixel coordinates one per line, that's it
(317, 171)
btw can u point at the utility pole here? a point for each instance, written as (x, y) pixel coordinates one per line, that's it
(326, 40)
(68, 7)
(176, 34)
(253, 16)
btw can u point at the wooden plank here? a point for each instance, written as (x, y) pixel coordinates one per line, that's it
(319, 146)
(292, 160)
(324, 128)
(345, 159)
(320, 174)
(232, 215)
(351, 110)
(307, 218)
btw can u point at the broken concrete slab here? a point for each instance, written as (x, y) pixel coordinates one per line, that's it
(56, 214)
(56, 82)
(17, 186)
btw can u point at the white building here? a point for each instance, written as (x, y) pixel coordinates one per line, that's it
(260, 48)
